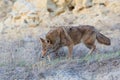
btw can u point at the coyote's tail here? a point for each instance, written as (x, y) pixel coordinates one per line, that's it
(103, 39)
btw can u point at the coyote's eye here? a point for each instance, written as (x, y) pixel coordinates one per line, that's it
(48, 41)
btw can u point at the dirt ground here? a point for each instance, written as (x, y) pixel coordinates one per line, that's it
(66, 70)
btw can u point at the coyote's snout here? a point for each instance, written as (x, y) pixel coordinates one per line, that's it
(70, 36)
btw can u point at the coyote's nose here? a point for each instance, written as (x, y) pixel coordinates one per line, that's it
(42, 56)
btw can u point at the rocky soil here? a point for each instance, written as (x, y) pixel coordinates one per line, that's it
(66, 70)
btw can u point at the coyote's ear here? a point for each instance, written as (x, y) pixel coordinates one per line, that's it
(42, 40)
(59, 30)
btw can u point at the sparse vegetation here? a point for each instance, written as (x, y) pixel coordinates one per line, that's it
(21, 64)
(87, 58)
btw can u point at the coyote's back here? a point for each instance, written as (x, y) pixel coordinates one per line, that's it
(87, 34)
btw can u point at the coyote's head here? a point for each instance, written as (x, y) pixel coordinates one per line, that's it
(46, 47)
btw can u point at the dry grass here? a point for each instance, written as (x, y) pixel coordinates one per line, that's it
(88, 58)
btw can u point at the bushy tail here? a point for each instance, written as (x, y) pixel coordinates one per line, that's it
(103, 39)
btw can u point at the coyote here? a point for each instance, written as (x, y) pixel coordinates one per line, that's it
(70, 36)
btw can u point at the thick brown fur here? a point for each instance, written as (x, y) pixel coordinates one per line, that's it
(72, 35)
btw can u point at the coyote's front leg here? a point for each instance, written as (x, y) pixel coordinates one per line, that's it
(70, 48)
